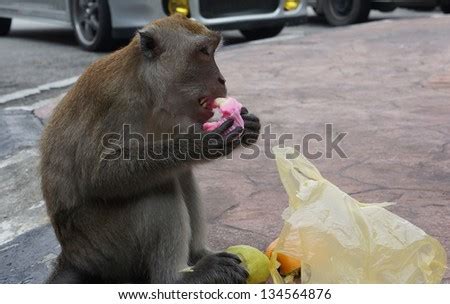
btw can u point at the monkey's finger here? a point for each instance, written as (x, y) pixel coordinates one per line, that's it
(228, 262)
(244, 111)
(225, 126)
(238, 273)
(229, 255)
(251, 125)
(235, 134)
(241, 271)
(249, 135)
(250, 117)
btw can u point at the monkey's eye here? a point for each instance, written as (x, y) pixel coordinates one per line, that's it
(204, 50)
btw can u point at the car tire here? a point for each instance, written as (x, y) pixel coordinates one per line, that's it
(422, 8)
(91, 20)
(344, 12)
(5, 26)
(263, 32)
(385, 7)
(317, 12)
(445, 6)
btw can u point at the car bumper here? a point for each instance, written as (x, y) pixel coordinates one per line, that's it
(279, 16)
(127, 16)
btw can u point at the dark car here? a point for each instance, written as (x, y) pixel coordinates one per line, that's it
(344, 12)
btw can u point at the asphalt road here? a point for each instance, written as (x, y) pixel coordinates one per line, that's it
(36, 54)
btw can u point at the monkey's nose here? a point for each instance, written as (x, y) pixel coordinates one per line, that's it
(221, 80)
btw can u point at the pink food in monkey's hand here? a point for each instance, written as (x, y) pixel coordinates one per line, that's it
(224, 109)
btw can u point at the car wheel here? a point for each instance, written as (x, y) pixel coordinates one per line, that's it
(423, 8)
(344, 12)
(263, 32)
(91, 20)
(384, 7)
(317, 12)
(445, 6)
(5, 26)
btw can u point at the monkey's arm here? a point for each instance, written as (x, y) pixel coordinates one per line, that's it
(135, 168)
(191, 195)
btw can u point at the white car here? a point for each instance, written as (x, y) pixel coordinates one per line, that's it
(97, 22)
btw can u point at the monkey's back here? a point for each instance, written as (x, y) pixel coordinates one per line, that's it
(70, 141)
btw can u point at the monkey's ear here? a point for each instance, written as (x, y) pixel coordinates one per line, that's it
(150, 46)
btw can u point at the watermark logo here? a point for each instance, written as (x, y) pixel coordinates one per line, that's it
(196, 145)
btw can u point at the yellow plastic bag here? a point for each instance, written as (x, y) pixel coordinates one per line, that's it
(340, 240)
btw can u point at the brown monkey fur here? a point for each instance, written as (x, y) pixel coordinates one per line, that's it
(137, 220)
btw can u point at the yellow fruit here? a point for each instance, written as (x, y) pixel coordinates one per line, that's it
(256, 263)
(287, 264)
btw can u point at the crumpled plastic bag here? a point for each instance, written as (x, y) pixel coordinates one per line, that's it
(340, 240)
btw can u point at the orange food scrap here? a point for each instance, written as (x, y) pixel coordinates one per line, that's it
(288, 264)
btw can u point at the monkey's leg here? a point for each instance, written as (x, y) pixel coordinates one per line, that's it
(191, 196)
(64, 274)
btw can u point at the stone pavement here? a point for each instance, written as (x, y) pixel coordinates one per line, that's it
(386, 84)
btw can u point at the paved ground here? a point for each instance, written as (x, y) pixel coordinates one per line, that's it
(386, 83)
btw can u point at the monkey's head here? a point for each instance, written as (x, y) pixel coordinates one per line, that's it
(178, 57)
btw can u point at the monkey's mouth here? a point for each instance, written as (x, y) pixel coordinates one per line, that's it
(206, 102)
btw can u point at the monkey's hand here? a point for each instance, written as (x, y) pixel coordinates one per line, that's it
(220, 268)
(197, 255)
(252, 127)
(220, 142)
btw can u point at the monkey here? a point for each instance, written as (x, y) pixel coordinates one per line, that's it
(121, 218)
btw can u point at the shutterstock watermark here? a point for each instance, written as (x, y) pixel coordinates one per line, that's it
(196, 144)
